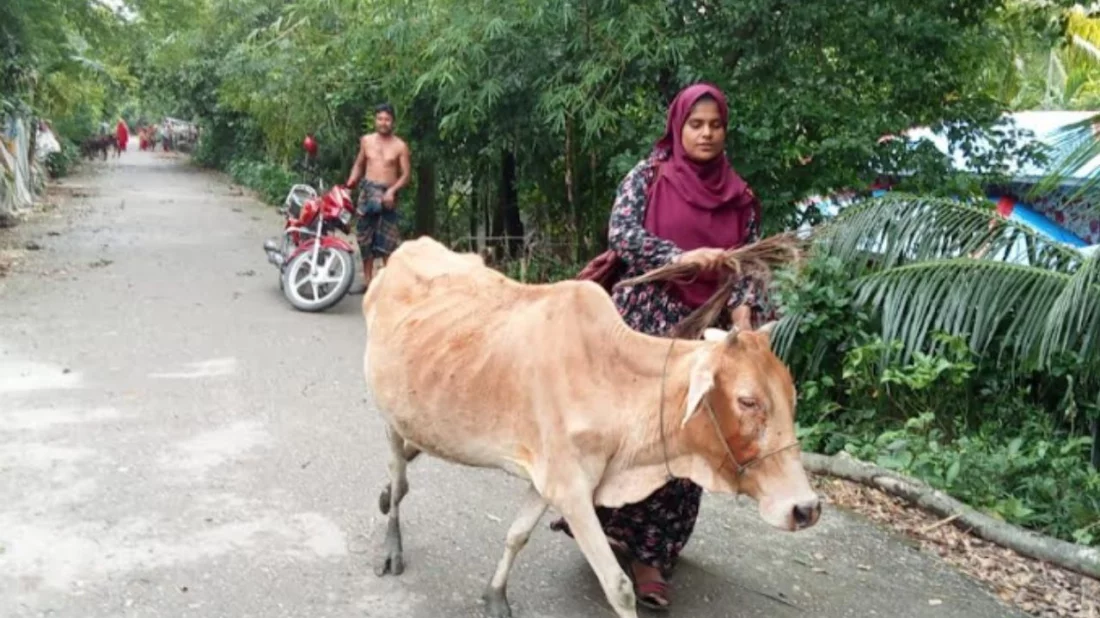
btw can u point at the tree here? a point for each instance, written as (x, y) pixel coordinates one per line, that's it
(58, 57)
(574, 92)
(1058, 71)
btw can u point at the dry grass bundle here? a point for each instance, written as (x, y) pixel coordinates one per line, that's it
(757, 260)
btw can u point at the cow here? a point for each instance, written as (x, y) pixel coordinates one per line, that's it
(549, 384)
(99, 144)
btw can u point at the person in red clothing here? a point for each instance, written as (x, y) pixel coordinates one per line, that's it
(122, 133)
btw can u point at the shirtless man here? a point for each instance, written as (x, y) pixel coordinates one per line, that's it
(380, 170)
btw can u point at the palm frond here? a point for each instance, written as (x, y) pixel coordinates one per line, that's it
(1073, 322)
(1013, 306)
(1074, 148)
(898, 229)
(785, 334)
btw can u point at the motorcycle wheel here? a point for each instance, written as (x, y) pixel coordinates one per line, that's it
(318, 291)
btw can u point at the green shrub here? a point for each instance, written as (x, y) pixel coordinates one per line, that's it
(272, 182)
(1002, 442)
(61, 163)
(541, 269)
(1032, 476)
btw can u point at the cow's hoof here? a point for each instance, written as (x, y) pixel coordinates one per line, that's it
(496, 604)
(391, 563)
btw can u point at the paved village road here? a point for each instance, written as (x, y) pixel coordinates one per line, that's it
(175, 440)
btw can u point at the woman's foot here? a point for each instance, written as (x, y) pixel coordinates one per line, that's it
(650, 586)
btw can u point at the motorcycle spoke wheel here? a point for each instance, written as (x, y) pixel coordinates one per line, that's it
(317, 289)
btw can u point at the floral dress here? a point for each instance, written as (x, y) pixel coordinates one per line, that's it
(656, 529)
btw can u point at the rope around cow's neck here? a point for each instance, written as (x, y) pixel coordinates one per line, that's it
(739, 467)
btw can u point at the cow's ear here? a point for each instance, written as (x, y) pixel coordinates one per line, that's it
(700, 384)
(768, 328)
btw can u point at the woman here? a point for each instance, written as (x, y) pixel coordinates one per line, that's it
(683, 203)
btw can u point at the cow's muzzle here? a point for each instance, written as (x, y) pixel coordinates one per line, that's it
(806, 514)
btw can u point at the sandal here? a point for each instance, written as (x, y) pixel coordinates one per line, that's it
(652, 594)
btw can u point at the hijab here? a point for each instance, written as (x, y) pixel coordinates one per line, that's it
(695, 204)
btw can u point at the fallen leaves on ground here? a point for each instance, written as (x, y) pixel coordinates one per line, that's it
(1035, 587)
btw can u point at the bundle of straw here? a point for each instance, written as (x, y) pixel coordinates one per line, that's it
(757, 261)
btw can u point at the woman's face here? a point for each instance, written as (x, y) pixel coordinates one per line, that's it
(703, 136)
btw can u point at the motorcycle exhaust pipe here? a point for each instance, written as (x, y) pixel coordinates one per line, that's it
(274, 255)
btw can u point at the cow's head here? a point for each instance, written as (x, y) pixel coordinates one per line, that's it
(740, 406)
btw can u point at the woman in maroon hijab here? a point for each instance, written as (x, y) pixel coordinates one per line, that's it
(683, 203)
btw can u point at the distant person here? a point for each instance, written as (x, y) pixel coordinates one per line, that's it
(380, 170)
(122, 134)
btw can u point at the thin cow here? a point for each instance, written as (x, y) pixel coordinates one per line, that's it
(547, 383)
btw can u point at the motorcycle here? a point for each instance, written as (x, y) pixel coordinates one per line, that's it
(316, 268)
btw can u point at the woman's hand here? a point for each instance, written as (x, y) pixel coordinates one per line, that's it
(706, 258)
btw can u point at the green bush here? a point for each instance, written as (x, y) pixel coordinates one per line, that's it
(61, 163)
(998, 441)
(271, 181)
(541, 269)
(226, 137)
(1032, 475)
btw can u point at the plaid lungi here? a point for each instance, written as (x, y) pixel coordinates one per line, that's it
(377, 230)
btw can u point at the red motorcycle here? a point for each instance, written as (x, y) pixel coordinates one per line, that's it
(316, 267)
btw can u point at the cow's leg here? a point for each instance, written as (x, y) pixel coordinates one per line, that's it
(530, 512)
(391, 560)
(581, 517)
(410, 453)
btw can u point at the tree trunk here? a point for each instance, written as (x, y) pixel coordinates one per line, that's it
(598, 242)
(1096, 444)
(1077, 558)
(508, 204)
(569, 197)
(666, 85)
(425, 199)
(485, 210)
(475, 208)
(494, 211)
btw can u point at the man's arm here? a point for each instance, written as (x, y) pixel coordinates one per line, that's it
(357, 167)
(406, 169)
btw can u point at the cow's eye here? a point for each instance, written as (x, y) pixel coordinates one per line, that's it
(749, 403)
